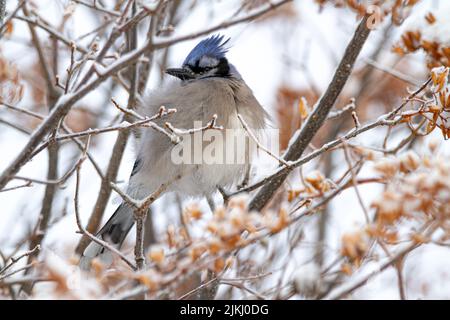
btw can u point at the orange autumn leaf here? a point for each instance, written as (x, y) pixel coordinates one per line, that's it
(303, 108)
(430, 18)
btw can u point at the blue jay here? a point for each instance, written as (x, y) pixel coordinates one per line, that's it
(207, 85)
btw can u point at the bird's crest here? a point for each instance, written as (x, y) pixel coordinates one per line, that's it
(213, 46)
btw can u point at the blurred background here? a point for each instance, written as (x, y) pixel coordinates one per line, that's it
(288, 54)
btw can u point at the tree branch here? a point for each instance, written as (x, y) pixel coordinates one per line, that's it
(319, 115)
(65, 102)
(118, 149)
(87, 233)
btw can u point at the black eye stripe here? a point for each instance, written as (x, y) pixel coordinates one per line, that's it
(221, 70)
(198, 69)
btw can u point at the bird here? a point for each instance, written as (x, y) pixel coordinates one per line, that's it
(207, 86)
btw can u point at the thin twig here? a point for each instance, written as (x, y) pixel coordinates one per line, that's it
(119, 145)
(392, 72)
(181, 132)
(259, 144)
(348, 108)
(15, 260)
(59, 181)
(140, 208)
(23, 281)
(24, 111)
(15, 126)
(96, 7)
(346, 288)
(8, 19)
(244, 287)
(385, 120)
(37, 21)
(82, 230)
(65, 102)
(25, 185)
(354, 181)
(316, 119)
(24, 268)
(200, 287)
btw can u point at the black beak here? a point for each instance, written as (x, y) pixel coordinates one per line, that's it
(180, 73)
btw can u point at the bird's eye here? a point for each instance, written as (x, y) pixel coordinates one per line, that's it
(203, 70)
(198, 69)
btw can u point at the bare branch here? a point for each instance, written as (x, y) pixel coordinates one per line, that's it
(37, 21)
(24, 268)
(15, 260)
(87, 233)
(96, 6)
(252, 135)
(59, 181)
(15, 126)
(26, 185)
(24, 111)
(320, 113)
(348, 108)
(382, 121)
(65, 102)
(120, 143)
(392, 72)
(140, 208)
(23, 281)
(354, 181)
(255, 15)
(181, 132)
(3, 21)
(348, 288)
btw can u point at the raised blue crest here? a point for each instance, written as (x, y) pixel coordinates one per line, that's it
(213, 47)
